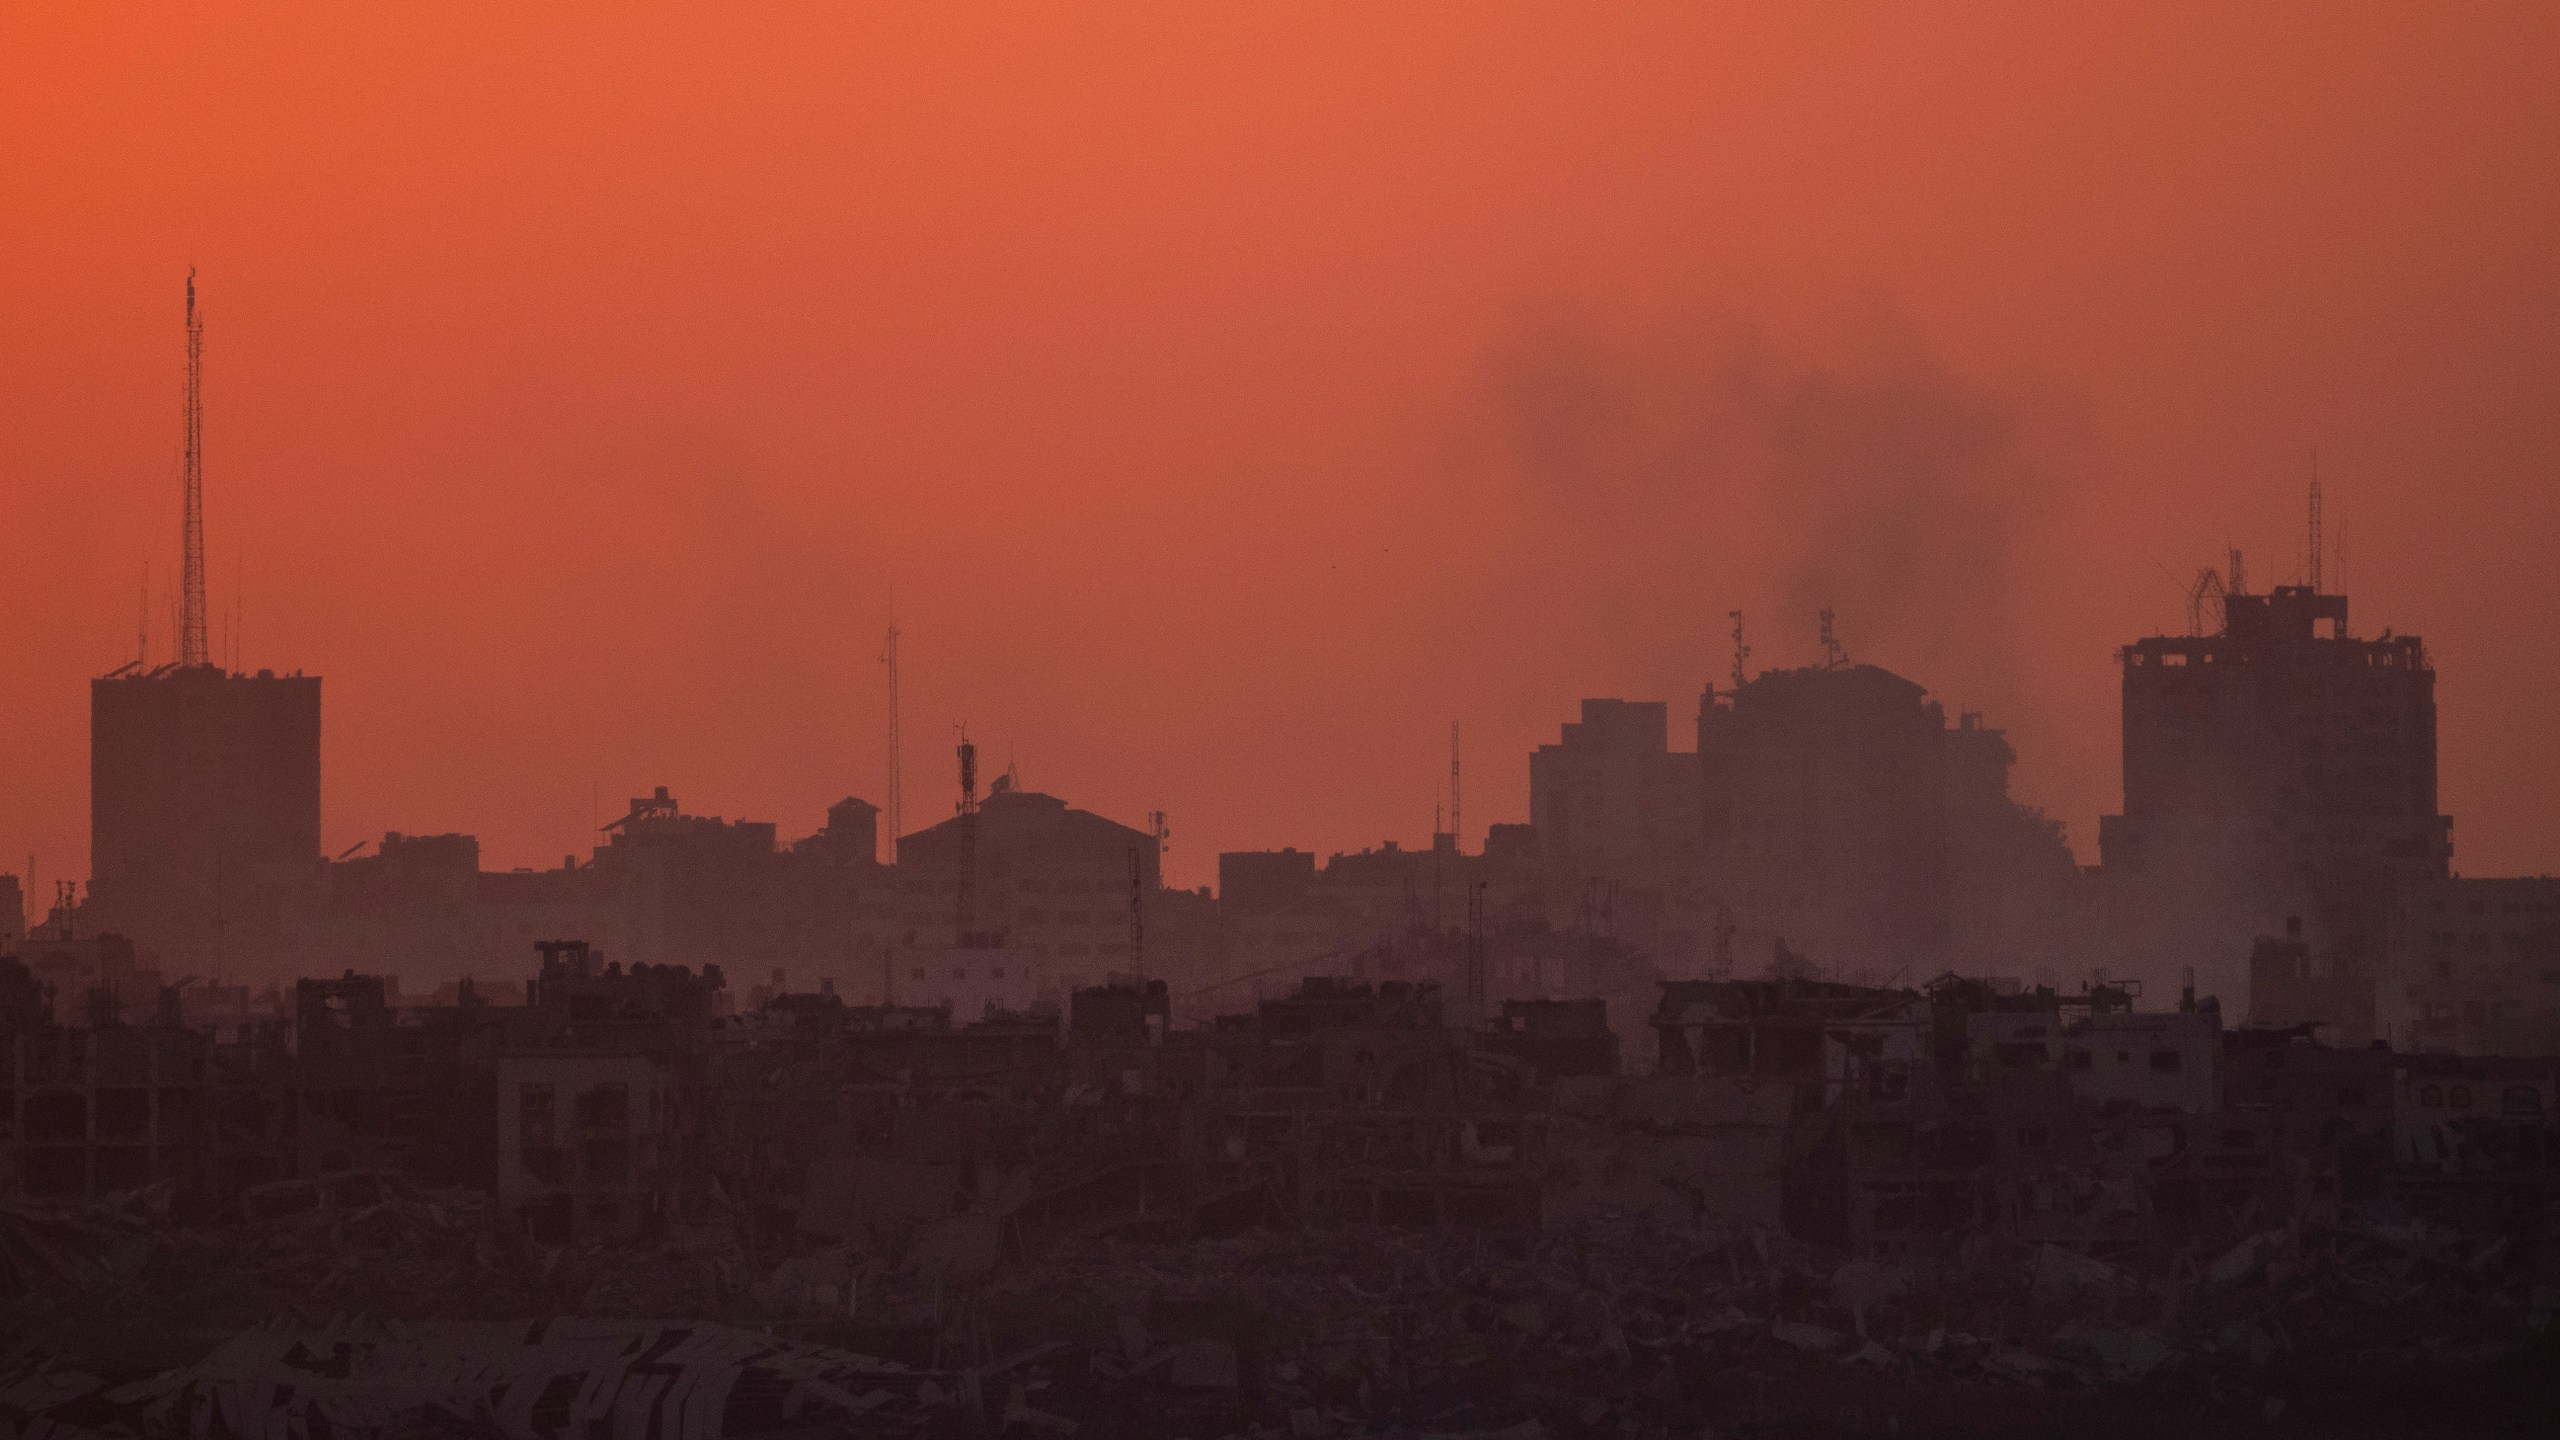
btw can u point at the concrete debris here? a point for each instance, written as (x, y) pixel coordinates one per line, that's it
(2242, 1260)
(1814, 1338)
(2059, 1270)
(1616, 1327)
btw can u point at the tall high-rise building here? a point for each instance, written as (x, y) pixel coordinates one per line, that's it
(2279, 767)
(1825, 814)
(204, 786)
(204, 809)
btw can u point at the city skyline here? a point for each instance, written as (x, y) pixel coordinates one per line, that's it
(1204, 487)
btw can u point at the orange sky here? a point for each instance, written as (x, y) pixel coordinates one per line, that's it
(1234, 395)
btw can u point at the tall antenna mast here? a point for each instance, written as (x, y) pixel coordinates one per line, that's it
(1138, 916)
(2315, 522)
(1741, 652)
(1457, 829)
(142, 624)
(967, 914)
(191, 650)
(889, 657)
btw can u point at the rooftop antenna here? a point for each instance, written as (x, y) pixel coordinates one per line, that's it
(1457, 831)
(2315, 522)
(2236, 579)
(889, 657)
(142, 624)
(2208, 586)
(1741, 652)
(1833, 657)
(1138, 916)
(191, 649)
(966, 916)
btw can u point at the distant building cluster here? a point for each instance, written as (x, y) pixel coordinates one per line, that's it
(608, 1103)
(2279, 839)
(1883, 997)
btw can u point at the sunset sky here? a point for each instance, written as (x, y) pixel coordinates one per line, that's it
(1232, 396)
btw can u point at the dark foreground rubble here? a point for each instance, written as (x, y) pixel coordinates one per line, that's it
(410, 1314)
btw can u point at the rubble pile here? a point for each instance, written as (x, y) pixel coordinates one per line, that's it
(1613, 1326)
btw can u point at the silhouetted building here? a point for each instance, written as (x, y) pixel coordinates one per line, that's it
(2016, 898)
(2290, 986)
(204, 810)
(1254, 882)
(1049, 880)
(2278, 767)
(1825, 813)
(2472, 967)
(1610, 787)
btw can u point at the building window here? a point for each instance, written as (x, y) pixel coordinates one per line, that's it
(959, 973)
(608, 1160)
(2521, 1100)
(534, 1115)
(2432, 1097)
(605, 1107)
(919, 972)
(2079, 1059)
(2168, 1062)
(2461, 1097)
(996, 974)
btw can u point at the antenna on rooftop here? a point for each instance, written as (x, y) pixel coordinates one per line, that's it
(889, 657)
(2315, 522)
(191, 648)
(2235, 580)
(1741, 652)
(142, 624)
(2208, 587)
(1138, 917)
(1457, 832)
(967, 913)
(1833, 657)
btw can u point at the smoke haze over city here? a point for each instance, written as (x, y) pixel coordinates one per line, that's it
(1433, 721)
(1227, 400)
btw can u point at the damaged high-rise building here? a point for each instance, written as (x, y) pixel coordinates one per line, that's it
(2277, 767)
